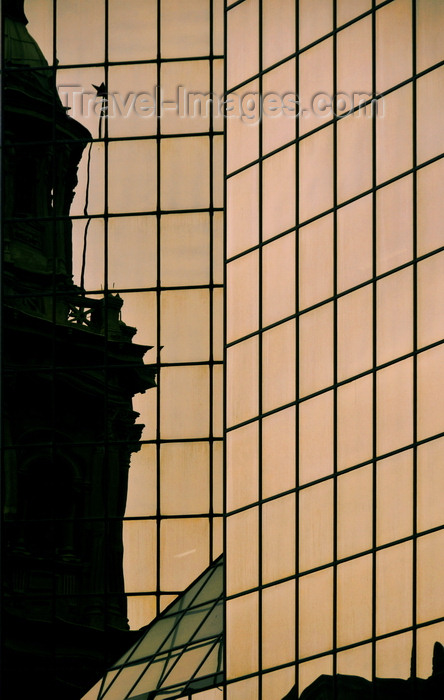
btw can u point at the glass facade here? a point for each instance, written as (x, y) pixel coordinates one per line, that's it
(334, 333)
(148, 225)
(280, 250)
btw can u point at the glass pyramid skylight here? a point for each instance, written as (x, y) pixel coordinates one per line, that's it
(180, 652)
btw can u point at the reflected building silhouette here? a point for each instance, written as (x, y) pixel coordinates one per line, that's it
(70, 371)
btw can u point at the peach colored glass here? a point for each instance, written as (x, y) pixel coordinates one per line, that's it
(355, 422)
(278, 203)
(278, 539)
(394, 588)
(354, 173)
(243, 211)
(430, 107)
(125, 118)
(315, 82)
(242, 466)
(184, 174)
(185, 329)
(316, 174)
(429, 22)
(278, 620)
(278, 30)
(393, 58)
(186, 83)
(242, 296)
(355, 510)
(185, 28)
(430, 484)
(355, 332)
(348, 9)
(315, 261)
(430, 408)
(186, 415)
(242, 384)
(393, 656)
(139, 542)
(137, 191)
(394, 320)
(354, 601)
(356, 661)
(278, 279)
(125, 235)
(242, 122)
(430, 194)
(315, 612)
(243, 46)
(242, 551)
(316, 350)
(242, 637)
(278, 452)
(315, 20)
(394, 135)
(355, 62)
(184, 478)
(394, 484)
(278, 366)
(394, 388)
(316, 437)
(142, 493)
(183, 551)
(131, 36)
(185, 251)
(315, 513)
(394, 223)
(279, 122)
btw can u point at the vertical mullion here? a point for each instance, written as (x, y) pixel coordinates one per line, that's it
(374, 358)
(297, 359)
(106, 454)
(260, 356)
(210, 300)
(335, 356)
(225, 373)
(158, 300)
(413, 669)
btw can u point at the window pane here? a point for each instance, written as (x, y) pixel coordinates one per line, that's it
(184, 402)
(242, 638)
(183, 551)
(243, 46)
(394, 135)
(315, 19)
(242, 551)
(394, 244)
(137, 190)
(185, 253)
(242, 381)
(243, 211)
(186, 85)
(139, 542)
(243, 117)
(242, 296)
(394, 509)
(185, 173)
(185, 330)
(132, 30)
(278, 279)
(278, 452)
(316, 350)
(354, 174)
(354, 243)
(430, 483)
(315, 612)
(354, 600)
(184, 482)
(185, 28)
(393, 51)
(278, 30)
(355, 332)
(315, 174)
(394, 321)
(316, 262)
(125, 236)
(394, 588)
(316, 437)
(355, 511)
(315, 525)
(242, 466)
(316, 85)
(278, 539)
(430, 196)
(355, 422)
(278, 203)
(278, 366)
(278, 620)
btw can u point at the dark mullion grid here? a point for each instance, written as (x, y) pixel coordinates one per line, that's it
(297, 360)
(260, 356)
(225, 374)
(307, 47)
(158, 313)
(335, 359)
(375, 365)
(413, 669)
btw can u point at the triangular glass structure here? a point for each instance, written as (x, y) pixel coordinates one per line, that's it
(180, 651)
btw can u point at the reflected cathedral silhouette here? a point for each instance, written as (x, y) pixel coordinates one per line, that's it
(70, 371)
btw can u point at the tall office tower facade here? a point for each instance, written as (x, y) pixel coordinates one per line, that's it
(334, 329)
(333, 418)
